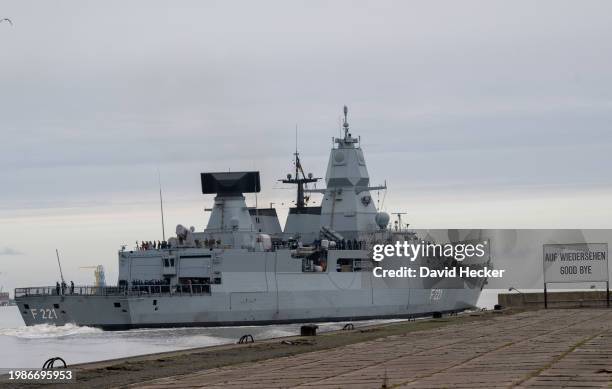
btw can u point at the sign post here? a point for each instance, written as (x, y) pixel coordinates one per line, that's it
(575, 262)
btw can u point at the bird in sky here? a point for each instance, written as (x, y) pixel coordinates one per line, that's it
(6, 19)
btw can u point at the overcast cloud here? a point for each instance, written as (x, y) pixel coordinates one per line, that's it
(9, 251)
(476, 113)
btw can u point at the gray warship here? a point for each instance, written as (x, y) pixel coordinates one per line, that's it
(243, 269)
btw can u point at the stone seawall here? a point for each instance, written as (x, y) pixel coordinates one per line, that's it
(574, 299)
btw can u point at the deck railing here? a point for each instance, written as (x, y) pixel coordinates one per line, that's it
(132, 290)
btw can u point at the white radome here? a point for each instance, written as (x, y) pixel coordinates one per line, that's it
(382, 220)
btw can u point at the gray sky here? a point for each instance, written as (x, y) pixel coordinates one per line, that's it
(477, 113)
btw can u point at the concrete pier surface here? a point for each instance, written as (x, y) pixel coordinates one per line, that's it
(555, 348)
(545, 348)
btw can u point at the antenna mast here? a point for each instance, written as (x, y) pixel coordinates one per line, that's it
(399, 218)
(161, 206)
(297, 156)
(59, 264)
(301, 182)
(345, 125)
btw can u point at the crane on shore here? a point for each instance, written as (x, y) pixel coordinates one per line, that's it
(99, 277)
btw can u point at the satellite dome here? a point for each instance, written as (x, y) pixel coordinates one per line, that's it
(382, 220)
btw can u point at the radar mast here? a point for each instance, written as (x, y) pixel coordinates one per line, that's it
(345, 125)
(348, 141)
(302, 181)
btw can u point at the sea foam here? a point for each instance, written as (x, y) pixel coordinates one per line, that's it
(42, 331)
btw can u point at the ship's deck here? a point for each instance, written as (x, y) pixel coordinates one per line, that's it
(136, 290)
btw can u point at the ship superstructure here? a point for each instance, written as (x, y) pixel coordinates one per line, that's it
(243, 269)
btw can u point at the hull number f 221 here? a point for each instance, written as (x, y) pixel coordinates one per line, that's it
(44, 313)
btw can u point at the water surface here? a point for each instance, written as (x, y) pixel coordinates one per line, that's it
(30, 347)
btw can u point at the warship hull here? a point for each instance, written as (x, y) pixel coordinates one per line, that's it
(197, 311)
(249, 296)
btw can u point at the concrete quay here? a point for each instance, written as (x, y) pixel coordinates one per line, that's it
(556, 299)
(555, 348)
